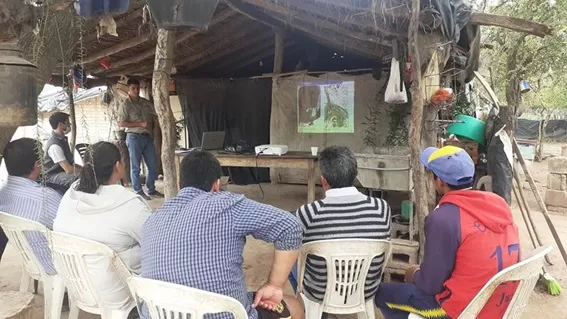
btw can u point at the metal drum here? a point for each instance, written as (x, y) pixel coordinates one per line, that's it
(19, 88)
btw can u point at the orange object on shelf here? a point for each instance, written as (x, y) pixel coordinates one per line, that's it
(469, 146)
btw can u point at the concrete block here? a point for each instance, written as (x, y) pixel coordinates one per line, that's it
(557, 165)
(556, 198)
(557, 182)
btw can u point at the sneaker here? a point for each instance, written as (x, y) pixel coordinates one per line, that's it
(144, 195)
(156, 194)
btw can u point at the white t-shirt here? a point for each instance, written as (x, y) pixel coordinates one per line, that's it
(56, 153)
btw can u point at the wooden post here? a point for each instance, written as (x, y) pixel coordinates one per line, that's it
(160, 89)
(279, 51)
(416, 126)
(72, 113)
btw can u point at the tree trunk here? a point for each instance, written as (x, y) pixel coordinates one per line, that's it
(416, 126)
(160, 88)
(513, 96)
(279, 51)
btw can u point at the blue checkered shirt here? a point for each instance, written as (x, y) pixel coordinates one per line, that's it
(197, 239)
(27, 199)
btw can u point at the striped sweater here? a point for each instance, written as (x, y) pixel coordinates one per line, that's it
(345, 213)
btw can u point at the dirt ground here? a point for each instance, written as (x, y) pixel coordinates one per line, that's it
(258, 255)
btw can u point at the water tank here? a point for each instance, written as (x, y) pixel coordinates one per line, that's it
(19, 88)
(183, 14)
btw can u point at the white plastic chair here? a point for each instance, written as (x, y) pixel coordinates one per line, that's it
(16, 229)
(69, 254)
(345, 291)
(526, 272)
(170, 301)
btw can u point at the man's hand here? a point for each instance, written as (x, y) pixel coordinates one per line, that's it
(268, 297)
(143, 124)
(410, 272)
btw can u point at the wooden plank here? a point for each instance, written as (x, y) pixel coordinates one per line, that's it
(511, 23)
(279, 51)
(125, 45)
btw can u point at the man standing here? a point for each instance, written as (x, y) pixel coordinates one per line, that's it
(22, 196)
(204, 237)
(344, 213)
(137, 115)
(470, 237)
(59, 164)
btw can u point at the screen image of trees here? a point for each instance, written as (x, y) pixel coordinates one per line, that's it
(325, 107)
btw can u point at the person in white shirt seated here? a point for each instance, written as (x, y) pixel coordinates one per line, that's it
(97, 208)
(60, 169)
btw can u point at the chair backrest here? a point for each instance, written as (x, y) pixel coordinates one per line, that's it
(82, 149)
(526, 272)
(16, 229)
(170, 301)
(348, 262)
(70, 254)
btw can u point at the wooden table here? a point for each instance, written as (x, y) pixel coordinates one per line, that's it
(300, 160)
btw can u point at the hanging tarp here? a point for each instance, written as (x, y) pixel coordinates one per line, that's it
(97, 8)
(555, 130)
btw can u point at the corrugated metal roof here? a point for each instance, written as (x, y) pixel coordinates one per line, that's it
(59, 100)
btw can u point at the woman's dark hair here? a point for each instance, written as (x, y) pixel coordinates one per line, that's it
(99, 160)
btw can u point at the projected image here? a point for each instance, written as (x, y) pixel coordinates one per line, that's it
(325, 107)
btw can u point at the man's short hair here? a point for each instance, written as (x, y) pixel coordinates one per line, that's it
(56, 118)
(21, 155)
(199, 169)
(133, 82)
(338, 166)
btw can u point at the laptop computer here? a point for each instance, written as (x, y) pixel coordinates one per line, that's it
(212, 141)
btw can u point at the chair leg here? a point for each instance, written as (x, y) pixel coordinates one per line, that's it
(313, 310)
(57, 297)
(73, 309)
(47, 297)
(114, 314)
(25, 282)
(35, 286)
(369, 314)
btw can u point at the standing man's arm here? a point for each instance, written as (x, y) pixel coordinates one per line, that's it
(55, 152)
(442, 239)
(124, 119)
(276, 226)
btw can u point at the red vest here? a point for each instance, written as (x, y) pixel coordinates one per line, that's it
(481, 255)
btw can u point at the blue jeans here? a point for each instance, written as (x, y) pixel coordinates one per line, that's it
(397, 300)
(293, 278)
(142, 146)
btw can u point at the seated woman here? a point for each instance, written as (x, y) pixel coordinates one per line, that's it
(96, 208)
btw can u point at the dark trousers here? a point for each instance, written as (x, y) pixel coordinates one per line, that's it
(398, 300)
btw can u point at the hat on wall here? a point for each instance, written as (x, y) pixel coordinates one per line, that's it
(451, 164)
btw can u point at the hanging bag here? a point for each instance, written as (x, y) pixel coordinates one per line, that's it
(396, 89)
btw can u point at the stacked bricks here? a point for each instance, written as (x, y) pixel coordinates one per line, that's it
(404, 255)
(556, 194)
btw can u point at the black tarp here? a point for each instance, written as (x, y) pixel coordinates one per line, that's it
(240, 107)
(555, 130)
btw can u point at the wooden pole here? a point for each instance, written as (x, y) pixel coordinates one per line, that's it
(72, 113)
(416, 126)
(160, 87)
(279, 51)
(539, 200)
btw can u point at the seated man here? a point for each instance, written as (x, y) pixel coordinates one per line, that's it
(60, 168)
(197, 239)
(470, 237)
(22, 196)
(345, 213)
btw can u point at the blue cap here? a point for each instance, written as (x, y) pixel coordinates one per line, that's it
(453, 165)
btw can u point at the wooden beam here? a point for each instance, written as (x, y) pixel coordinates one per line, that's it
(125, 45)
(220, 49)
(290, 8)
(164, 56)
(254, 14)
(247, 55)
(225, 14)
(279, 37)
(416, 126)
(515, 24)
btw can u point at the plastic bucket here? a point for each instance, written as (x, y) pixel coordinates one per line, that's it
(407, 209)
(471, 128)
